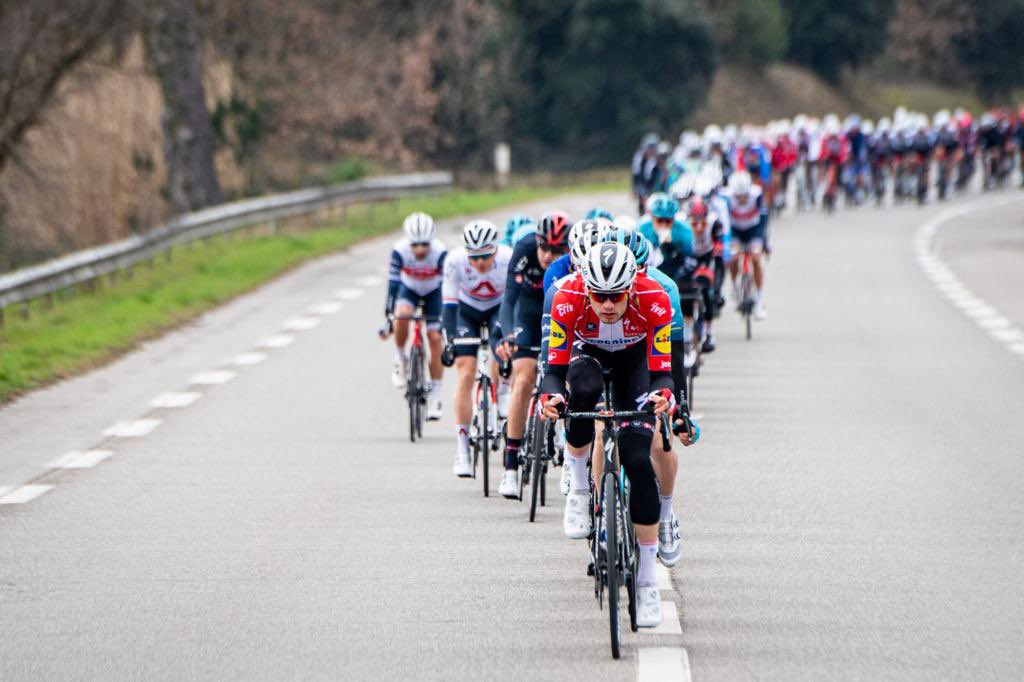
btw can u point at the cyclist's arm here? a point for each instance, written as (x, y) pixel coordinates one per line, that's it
(545, 325)
(450, 296)
(394, 280)
(506, 315)
(659, 342)
(561, 332)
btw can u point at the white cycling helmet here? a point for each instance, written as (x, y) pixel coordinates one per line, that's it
(624, 222)
(682, 188)
(609, 267)
(480, 237)
(583, 235)
(419, 228)
(704, 185)
(740, 183)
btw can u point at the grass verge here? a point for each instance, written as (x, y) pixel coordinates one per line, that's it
(84, 330)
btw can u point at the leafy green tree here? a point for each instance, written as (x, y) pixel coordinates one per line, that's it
(605, 71)
(990, 50)
(750, 33)
(827, 35)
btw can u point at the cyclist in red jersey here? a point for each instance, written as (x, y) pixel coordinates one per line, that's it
(609, 317)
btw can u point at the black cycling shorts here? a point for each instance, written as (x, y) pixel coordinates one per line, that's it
(468, 325)
(529, 312)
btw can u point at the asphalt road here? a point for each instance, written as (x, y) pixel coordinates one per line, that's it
(853, 510)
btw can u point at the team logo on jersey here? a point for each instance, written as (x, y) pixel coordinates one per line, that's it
(564, 309)
(662, 343)
(556, 339)
(658, 309)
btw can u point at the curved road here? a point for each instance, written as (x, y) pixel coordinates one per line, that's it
(853, 510)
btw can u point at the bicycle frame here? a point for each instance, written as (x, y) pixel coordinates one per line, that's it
(483, 436)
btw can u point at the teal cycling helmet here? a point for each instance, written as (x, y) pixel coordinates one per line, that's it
(598, 212)
(661, 205)
(636, 242)
(517, 221)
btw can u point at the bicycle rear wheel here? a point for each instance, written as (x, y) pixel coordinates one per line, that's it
(612, 568)
(747, 289)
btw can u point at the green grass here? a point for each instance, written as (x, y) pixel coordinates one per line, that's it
(84, 330)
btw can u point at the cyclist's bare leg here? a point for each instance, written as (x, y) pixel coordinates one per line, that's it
(597, 465)
(666, 465)
(402, 314)
(755, 259)
(466, 368)
(435, 343)
(524, 376)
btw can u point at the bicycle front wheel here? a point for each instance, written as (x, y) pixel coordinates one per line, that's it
(485, 435)
(536, 464)
(612, 568)
(412, 392)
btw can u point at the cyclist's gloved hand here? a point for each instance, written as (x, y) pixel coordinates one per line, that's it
(550, 405)
(679, 427)
(386, 329)
(448, 355)
(662, 400)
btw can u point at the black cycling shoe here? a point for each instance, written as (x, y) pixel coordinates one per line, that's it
(708, 346)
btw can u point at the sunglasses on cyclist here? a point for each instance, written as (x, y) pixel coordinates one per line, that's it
(664, 221)
(560, 250)
(480, 256)
(614, 297)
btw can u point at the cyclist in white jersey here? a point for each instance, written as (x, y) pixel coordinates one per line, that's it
(749, 216)
(414, 279)
(474, 284)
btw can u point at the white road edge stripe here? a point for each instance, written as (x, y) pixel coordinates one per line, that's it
(348, 294)
(217, 376)
(277, 341)
(175, 399)
(986, 317)
(132, 428)
(78, 459)
(25, 493)
(248, 359)
(300, 324)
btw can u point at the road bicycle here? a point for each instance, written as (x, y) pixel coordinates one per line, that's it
(693, 357)
(747, 289)
(484, 433)
(538, 452)
(613, 541)
(417, 385)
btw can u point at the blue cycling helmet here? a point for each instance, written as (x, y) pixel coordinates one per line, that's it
(517, 221)
(636, 242)
(661, 205)
(598, 212)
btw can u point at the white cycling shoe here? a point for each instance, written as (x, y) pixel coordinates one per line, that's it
(566, 483)
(576, 518)
(434, 412)
(759, 312)
(670, 546)
(648, 607)
(509, 486)
(462, 467)
(398, 375)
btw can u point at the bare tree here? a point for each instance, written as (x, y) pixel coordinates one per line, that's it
(173, 49)
(40, 43)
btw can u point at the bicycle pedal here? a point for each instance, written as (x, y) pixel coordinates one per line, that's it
(590, 569)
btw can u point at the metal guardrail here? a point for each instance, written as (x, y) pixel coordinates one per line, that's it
(46, 278)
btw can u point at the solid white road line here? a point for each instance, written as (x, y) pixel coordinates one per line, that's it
(248, 359)
(669, 621)
(277, 341)
(132, 428)
(212, 378)
(25, 493)
(175, 399)
(348, 294)
(325, 308)
(78, 459)
(664, 577)
(300, 324)
(657, 664)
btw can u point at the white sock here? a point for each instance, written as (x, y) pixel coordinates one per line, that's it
(435, 389)
(578, 467)
(400, 356)
(645, 575)
(462, 432)
(666, 508)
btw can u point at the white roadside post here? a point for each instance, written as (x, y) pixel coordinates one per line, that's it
(502, 163)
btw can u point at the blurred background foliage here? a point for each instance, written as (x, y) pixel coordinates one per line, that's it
(97, 95)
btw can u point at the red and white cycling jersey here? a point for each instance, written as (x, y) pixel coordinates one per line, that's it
(648, 318)
(746, 214)
(482, 291)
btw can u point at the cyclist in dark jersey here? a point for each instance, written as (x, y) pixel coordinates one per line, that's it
(521, 312)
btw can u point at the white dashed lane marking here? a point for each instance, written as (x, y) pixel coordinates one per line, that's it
(669, 620)
(325, 308)
(80, 460)
(370, 281)
(656, 664)
(984, 316)
(25, 493)
(298, 324)
(277, 341)
(348, 294)
(172, 399)
(132, 428)
(217, 376)
(248, 359)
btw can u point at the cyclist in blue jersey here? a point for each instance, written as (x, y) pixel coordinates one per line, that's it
(516, 228)
(598, 212)
(672, 237)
